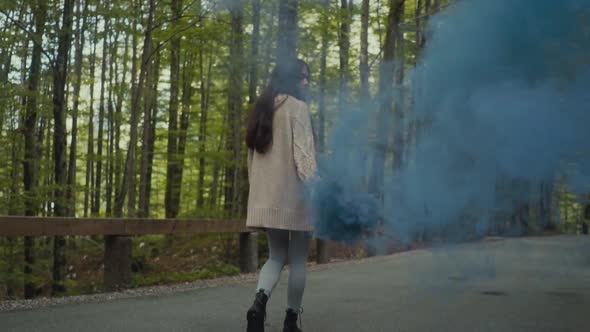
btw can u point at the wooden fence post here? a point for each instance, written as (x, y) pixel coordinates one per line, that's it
(586, 220)
(117, 262)
(248, 252)
(323, 251)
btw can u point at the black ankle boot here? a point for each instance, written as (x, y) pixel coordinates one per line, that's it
(290, 324)
(257, 313)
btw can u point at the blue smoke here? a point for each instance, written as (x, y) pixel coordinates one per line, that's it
(500, 94)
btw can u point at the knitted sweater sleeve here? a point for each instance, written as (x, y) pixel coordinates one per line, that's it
(250, 157)
(303, 145)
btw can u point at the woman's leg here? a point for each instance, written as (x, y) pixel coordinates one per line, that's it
(278, 245)
(298, 252)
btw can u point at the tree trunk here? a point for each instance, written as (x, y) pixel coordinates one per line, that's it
(149, 132)
(253, 81)
(399, 100)
(127, 187)
(171, 205)
(6, 57)
(89, 181)
(271, 40)
(287, 37)
(187, 95)
(30, 166)
(6, 54)
(410, 143)
(13, 207)
(323, 80)
(80, 41)
(101, 114)
(111, 161)
(59, 143)
(152, 140)
(419, 28)
(427, 6)
(45, 134)
(205, 92)
(234, 112)
(13, 191)
(214, 193)
(146, 131)
(344, 48)
(130, 188)
(119, 119)
(321, 245)
(365, 102)
(128, 183)
(365, 94)
(386, 78)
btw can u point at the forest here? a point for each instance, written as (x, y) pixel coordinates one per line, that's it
(136, 108)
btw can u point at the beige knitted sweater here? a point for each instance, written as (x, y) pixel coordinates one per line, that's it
(276, 177)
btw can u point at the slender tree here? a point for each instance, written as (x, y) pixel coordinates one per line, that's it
(89, 176)
(129, 169)
(128, 182)
(110, 160)
(8, 116)
(427, 11)
(214, 193)
(287, 35)
(146, 147)
(254, 45)
(48, 174)
(80, 42)
(234, 113)
(152, 134)
(186, 110)
(386, 78)
(59, 141)
(101, 115)
(119, 119)
(344, 50)
(323, 72)
(29, 163)
(205, 94)
(270, 38)
(418, 22)
(365, 94)
(399, 106)
(30, 166)
(172, 185)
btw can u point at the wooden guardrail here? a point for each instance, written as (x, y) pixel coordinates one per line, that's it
(117, 237)
(51, 226)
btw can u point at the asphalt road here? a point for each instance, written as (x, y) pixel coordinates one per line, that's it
(531, 284)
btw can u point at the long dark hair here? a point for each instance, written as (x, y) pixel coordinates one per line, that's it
(284, 79)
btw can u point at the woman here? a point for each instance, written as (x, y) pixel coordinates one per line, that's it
(281, 159)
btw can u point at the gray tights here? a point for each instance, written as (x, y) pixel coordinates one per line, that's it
(286, 246)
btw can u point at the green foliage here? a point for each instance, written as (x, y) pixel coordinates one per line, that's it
(140, 280)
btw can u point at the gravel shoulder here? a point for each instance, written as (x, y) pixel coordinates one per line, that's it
(42, 302)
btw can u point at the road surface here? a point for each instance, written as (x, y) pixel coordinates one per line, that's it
(527, 284)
